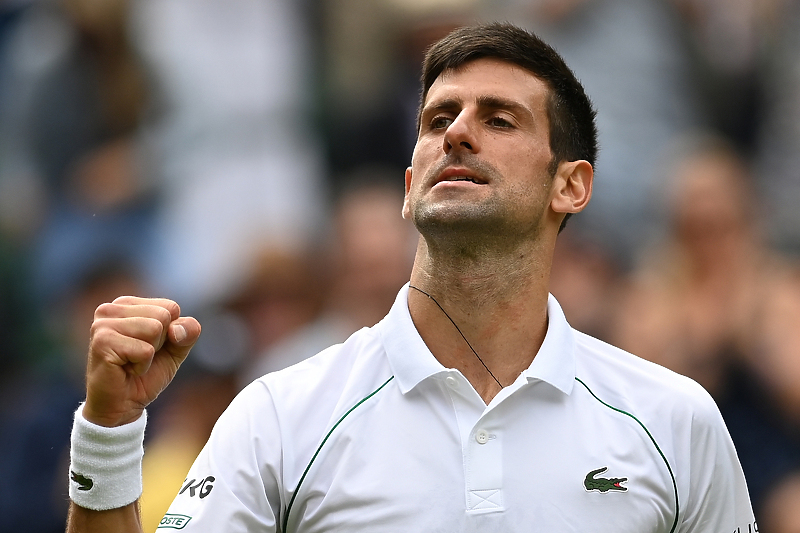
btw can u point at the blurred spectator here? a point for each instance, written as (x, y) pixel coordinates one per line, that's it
(693, 299)
(371, 249)
(714, 303)
(230, 139)
(702, 290)
(369, 258)
(285, 292)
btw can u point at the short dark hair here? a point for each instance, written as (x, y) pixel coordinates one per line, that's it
(572, 128)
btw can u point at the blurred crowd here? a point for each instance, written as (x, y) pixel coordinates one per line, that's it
(245, 158)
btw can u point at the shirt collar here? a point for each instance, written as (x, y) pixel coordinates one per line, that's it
(555, 361)
(409, 356)
(412, 361)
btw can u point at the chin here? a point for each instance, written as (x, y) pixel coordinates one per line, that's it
(453, 216)
(459, 223)
(473, 226)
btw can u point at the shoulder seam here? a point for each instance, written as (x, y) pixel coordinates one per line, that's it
(319, 448)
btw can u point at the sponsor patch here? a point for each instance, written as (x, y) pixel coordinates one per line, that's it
(200, 488)
(174, 521)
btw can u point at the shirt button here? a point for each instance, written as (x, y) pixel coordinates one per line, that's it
(451, 382)
(482, 436)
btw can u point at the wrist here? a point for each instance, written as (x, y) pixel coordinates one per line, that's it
(118, 419)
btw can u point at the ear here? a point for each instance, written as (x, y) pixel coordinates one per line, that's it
(406, 207)
(572, 187)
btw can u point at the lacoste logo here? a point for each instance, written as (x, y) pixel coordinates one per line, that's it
(84, 483)
(603, 484)
(174, 521)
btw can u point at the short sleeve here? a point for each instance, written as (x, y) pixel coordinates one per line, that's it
(718, 499)
(233, 485)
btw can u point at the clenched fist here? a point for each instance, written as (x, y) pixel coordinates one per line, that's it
(135, 349)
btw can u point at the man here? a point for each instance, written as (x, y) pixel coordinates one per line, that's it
(473, 406)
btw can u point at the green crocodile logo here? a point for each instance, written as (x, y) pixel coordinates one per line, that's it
(603, 484)
(84, 483)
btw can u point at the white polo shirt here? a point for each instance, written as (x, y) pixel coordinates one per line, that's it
(375, 435)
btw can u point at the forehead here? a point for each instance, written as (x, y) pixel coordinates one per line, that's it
(490, 76)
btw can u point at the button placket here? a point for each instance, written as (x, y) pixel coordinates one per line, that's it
(484, 471)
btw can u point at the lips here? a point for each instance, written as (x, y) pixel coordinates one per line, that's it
(459, 174)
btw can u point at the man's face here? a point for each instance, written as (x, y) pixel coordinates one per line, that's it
(482, 155)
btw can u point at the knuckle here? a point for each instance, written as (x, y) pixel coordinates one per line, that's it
(100, 333)
(164, 315)
(173, 310)
(104, 310)
(148, 351)
(137, 351)
(152, 328)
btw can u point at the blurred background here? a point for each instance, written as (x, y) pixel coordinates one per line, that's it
(246, 158)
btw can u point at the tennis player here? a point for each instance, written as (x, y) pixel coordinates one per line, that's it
(472, 406)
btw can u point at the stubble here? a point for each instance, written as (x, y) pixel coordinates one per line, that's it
(467, 226)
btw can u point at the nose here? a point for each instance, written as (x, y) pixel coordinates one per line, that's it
(461, 135)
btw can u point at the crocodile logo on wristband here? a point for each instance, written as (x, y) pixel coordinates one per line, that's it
(84, 483)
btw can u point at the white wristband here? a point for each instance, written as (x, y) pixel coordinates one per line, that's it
(106, 463)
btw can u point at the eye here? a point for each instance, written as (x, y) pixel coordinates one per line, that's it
(440, 122)
(499, 122)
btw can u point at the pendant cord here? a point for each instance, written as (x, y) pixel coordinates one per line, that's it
(459, 332)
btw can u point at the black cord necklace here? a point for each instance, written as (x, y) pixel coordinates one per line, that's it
(460, 333)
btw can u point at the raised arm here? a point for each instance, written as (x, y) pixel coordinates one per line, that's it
(135, 349)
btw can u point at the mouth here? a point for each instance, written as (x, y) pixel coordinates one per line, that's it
(463, 178)
(459, 174)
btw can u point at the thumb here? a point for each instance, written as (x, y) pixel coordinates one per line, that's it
(183, 334)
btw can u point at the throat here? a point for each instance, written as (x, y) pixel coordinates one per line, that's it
(491, 339)
(478, 357)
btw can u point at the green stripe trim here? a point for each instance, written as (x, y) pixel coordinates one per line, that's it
(669, 468)
(303, 477)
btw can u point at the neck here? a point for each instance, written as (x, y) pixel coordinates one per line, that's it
(497, 301)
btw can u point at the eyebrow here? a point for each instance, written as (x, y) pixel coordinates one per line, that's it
(497, 102)
(448, 104)
(484, 101)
